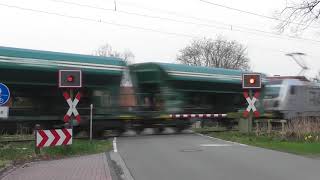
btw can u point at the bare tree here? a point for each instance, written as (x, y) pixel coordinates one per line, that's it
(317, 78)
(299, 16)
(127, 55)
(106, 50)
(219, 53)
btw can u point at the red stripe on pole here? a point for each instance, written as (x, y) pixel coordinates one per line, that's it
(246, 94)
(245, 113)
(68, 136)
(78, 96)
(256, 113)
(44, 138)
(66, 118)
(56, 137)
(256, 95)
(78, 118)
(66, 95)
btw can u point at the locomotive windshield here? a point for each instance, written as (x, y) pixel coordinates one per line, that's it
(272, 89)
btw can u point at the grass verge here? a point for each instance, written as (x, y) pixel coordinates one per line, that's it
(17, 153)
(310, 149)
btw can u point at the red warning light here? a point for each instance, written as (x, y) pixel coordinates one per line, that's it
(70, 78)
(252, 81)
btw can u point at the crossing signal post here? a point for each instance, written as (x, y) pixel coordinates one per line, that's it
(251, 84)
(251, 81)
(71, 79)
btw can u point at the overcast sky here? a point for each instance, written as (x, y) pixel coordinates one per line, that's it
(154, 39)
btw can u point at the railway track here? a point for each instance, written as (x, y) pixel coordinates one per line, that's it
(149, 132)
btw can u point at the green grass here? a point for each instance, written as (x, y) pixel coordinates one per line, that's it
(207, 129)
(24, 151)
(5, 137)
(311, 149)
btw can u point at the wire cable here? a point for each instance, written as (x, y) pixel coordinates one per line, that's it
(254, 14)
(121, 25)
(98, 21)
(229, 28)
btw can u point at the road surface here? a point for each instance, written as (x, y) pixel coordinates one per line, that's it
(195, 157)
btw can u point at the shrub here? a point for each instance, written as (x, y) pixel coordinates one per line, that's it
(303, 128)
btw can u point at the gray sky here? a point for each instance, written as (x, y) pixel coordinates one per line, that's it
(34, 30)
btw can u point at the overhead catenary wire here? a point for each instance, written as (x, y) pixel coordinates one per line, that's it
(177, 14)
(98, 21)
(254, 13)
(136, 14)
(111, 23)
(229, 26)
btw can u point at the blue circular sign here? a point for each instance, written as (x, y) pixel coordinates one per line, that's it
(4, 94)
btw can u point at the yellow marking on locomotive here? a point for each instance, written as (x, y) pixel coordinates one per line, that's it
(127, 117)
(165, 117)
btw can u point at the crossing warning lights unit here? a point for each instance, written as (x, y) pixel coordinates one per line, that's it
(251, 81)
(70, 78)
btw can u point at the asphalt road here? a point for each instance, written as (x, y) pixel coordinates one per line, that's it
(194, 157)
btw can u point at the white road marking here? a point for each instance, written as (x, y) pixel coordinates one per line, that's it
(215, 145)
(115, 144)
(222, 140)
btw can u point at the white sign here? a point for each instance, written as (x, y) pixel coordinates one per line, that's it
(72, 107)
(251, 103)
(4, 112)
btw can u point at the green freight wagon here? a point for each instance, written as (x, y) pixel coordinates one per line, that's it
(181, 93)
(32, 77)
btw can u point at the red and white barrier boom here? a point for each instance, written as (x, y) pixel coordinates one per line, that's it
(53, 137)
(198, 115)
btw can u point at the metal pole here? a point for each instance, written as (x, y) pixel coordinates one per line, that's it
(36, 149)
(67, 126)
(91, 108)
(71, 119)
(250, 114)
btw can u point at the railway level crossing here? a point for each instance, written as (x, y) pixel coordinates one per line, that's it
(71, 79)
(56, 137)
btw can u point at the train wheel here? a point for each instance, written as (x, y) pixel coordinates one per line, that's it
(180, 129)
(139, 130)
(161, 130)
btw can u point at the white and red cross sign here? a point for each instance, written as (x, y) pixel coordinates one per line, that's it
(251, 102)
(72, 107)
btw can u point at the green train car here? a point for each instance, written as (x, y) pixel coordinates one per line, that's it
(165, 95)
(182, 93)
(32, 77)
